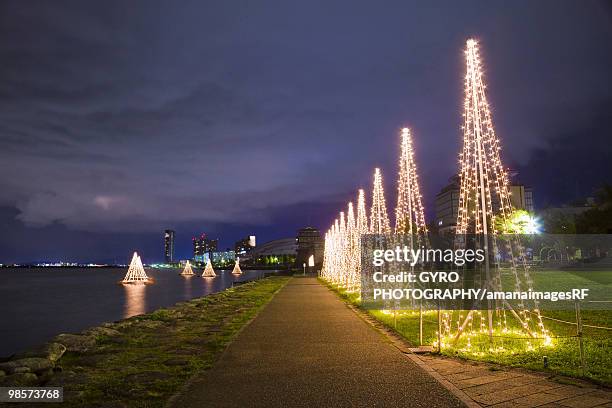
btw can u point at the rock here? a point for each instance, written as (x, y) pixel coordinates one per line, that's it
(50, 351)
(20, 379)
(9, 367)
(45, 375)
(55, 351)
(76, 342)
(102, 331)
(33, 364)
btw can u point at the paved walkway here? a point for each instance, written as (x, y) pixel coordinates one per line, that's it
(306, 348)
(506, 387)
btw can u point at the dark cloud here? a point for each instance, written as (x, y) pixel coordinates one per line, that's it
(570, 165)
(119, 119)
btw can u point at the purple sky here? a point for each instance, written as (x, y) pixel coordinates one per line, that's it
(120, 119)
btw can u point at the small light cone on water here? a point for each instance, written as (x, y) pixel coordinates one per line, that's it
(136, 272)
(237, 270)
(187, 271)
(209, 272)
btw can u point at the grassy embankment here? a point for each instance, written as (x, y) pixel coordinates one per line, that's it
(563, 353)
(153, 355)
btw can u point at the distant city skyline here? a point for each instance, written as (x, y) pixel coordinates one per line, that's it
(117, 122)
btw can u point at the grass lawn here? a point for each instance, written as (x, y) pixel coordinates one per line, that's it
(515, 348)
(146, 359)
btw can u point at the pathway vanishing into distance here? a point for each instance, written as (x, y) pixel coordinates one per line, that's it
(306, 348)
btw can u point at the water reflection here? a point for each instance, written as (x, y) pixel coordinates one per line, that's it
(135, 300)
(208, 283)
(187, 290)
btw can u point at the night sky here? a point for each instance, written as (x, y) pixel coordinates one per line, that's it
(120, 119)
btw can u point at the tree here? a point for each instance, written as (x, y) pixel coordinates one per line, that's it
(519, 222)
(597, 220)
(558, 222)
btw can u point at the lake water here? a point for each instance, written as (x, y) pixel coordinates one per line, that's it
(38, 303)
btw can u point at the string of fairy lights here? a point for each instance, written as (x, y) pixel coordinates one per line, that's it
(484, 197)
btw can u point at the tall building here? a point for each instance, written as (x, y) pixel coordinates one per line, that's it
(521, 197)
(169, 246)
(309, 242)
(223, 258)
(203, 247)
(447, 205)
(245, 245)
(447, 202)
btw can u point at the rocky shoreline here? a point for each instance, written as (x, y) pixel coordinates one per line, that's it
(39, 365)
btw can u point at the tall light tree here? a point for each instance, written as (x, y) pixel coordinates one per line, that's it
(484, 195)
(379, 220)
(362, 215)
(409, 212)
(353, 240)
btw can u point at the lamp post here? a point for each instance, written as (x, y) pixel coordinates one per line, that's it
(311, 263)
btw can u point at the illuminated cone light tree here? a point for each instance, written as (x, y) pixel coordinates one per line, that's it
(342, 248)
(409, 213)
(187, 271)
(379, 221)
(352, 244)
(484, 195)
(332, 254)
(328, 256)
(136, 273)
(361, 228)
(362, 216)
(237, 270)
(410, 227)
(209, 272)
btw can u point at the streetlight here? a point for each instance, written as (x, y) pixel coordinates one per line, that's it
(311, 263)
